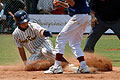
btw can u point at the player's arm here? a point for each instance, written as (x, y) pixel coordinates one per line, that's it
(94, 7)
(22, 54)
(59, 3)
(93, 19)
(92, 13)
(71, 2)
(45, 33)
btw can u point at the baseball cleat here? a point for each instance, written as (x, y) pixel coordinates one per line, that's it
(54, 70)
(83, 70)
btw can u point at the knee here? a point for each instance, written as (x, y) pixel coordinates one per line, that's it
(48, 53)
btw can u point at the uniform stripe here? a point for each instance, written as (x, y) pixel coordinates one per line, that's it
(31, 45)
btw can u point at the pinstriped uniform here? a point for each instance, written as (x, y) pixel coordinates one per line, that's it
(39, 47)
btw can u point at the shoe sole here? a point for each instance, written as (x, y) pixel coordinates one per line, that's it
(82, 73)
(54, 73)
(58, 73)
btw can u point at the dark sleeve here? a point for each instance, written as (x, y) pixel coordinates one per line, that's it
(94, 4)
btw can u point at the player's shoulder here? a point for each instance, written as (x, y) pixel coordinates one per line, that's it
(33, 25)
(15, 31)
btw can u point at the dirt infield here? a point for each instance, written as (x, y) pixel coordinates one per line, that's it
(17, 72)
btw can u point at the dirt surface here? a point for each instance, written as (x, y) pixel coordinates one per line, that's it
(18, 73)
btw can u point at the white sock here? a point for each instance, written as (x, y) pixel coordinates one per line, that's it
(57, 63)
(82, 64)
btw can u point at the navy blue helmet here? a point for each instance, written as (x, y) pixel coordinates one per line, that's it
(21, 17)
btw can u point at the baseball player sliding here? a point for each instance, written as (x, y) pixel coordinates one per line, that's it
(72, 33)
(35, 39)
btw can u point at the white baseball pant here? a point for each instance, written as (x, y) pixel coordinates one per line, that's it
(72, 33)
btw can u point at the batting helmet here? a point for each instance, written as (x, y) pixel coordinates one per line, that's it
(21, 17)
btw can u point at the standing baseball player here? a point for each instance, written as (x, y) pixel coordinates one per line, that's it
(34, 38)
(72, 33)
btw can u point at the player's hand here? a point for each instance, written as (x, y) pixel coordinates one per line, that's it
(56, 3)
(47, 33)
(94, 21)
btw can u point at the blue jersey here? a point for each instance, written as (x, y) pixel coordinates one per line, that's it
(80, 7)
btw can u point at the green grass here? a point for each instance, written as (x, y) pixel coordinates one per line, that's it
(9, 52)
